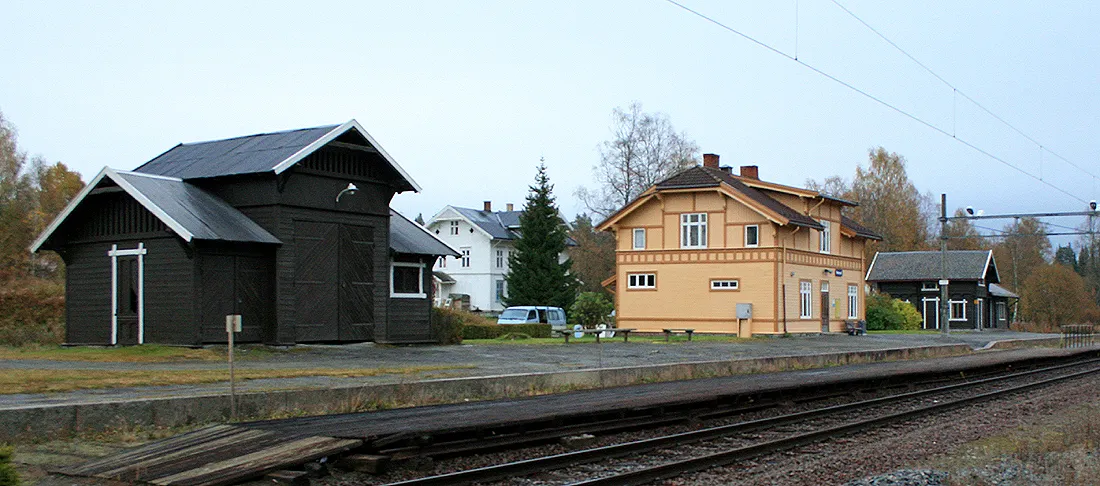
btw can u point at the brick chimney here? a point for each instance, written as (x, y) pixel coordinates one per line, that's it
(510, 207)
(710, 160)
(489, 206)
(750, 172)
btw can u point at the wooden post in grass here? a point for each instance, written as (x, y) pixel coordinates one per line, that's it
(232, 326)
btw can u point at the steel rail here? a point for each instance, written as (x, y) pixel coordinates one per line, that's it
(673, 469)
(531, 466)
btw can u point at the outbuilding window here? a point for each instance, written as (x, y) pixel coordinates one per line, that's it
(958, 310)
(929, 286)
(693, 230)
(407, 280)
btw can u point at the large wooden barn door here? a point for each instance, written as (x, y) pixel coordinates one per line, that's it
(236, 285)
(333, 282)
(356, 283)
(128, 302)
(315, 277)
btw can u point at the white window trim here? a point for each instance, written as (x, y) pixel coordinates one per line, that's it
(419, 281)
(464, 260)
(752, 245)
(454, 228)
(634, 240)
(114, 253)
(853, 301)
(500, 258)
(638, 283)
(951, 314)
(806, 300)
(726, 284)
(925, 288)
(825, 242)
(702, 228)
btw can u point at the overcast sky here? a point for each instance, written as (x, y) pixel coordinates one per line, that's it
(467, 96)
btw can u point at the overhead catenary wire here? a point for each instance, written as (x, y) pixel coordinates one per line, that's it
(873, 98)
(957, 91)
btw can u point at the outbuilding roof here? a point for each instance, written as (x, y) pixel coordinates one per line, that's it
(409, 237)
(190, 212)
(998, 291)
(908, 266)
(252, 154)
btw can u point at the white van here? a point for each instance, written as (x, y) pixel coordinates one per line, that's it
(527, 314)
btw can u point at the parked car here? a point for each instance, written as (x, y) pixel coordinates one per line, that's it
(527, 314)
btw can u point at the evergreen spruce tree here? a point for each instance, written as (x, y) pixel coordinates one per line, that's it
(535, 277)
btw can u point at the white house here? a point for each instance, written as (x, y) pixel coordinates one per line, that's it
(484, 239)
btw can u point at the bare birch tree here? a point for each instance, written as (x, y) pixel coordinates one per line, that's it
(644, 149)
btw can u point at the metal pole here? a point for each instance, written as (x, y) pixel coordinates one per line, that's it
(232, 382)
(944, 318)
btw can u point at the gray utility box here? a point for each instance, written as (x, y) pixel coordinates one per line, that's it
(744, 311)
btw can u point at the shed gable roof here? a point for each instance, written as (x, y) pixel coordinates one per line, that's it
(190, 212)
(408, 237)
(909, 266)
(260, 153)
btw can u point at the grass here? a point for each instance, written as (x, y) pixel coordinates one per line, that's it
(43, 381)
(146, 353)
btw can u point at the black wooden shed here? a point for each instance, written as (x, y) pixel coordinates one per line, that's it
(291, 230)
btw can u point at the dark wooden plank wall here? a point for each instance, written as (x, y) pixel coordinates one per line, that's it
(236, 279)
(169, 287)
(959, 290)
(410, 319)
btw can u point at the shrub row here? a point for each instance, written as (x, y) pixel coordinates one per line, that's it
(493, 331)
(885, 313)
(450, 326)
(32, 312)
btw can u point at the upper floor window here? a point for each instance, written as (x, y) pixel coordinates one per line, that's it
(443, 262)
(725, 284)
(454, 227)
(500, 258)
(639, 238)
(693, 230)
(826, 237)
(752, 235)
(465, 257)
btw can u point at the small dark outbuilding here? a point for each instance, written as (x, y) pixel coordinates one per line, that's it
(976, 301)
(291, 230)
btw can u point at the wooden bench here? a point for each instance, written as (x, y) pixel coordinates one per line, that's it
(597, 332)
(670, 331)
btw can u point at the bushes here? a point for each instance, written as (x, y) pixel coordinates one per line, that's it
(451, 327)
(8, 476)
(590, 309)
(32, 312)
(890, 314)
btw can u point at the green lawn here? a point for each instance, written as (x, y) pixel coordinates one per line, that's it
(146, 353)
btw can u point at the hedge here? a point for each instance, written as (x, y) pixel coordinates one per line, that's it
(32, 312)
(493, 331)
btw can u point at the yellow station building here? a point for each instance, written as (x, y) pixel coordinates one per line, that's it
(692, 247)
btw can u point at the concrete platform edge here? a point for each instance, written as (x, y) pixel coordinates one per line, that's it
(54, 421)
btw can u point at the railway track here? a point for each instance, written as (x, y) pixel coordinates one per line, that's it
(648, 460)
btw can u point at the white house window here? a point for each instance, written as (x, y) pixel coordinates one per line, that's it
(826, 237)
(752, 235)
(806, 302)
(443, 262)
(730, 284)
(693, 230)
(454, 227)
(958, 310)
(853, 301)
(500, 290)
(500, 258)
(639, 238)
(641, 281)
(407, 280)
(465, 257)
(929, 286)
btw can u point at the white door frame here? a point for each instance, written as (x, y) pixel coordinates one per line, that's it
(981, 313)
(114, 253)
(925, 302)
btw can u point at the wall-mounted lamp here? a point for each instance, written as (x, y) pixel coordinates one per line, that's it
(350, 190)
(827, 271)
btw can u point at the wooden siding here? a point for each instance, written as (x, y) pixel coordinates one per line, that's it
(169, 273)
(236, 279)
(410, 319)
(968, 291)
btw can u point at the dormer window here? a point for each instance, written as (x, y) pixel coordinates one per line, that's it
(693, 230)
